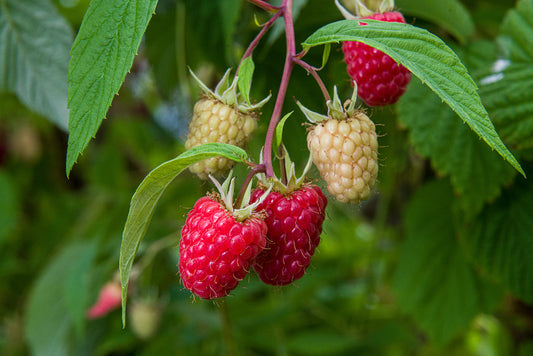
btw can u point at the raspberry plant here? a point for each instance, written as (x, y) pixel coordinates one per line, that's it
(426, 216)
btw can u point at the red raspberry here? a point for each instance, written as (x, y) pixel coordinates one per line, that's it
(294, 225)
(380, 80)
(217, 250)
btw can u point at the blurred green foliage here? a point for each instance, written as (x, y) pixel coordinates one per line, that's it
(437, 262)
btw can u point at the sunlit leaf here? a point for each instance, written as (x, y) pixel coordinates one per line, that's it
(428, 58)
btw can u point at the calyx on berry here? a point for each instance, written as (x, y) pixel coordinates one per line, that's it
(362, 11)
(336, 110)
(226, 190)
(228, 94)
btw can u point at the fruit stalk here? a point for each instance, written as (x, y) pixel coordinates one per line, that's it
(309, 68)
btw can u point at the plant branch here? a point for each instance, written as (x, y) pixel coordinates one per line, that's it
(257, 38)
(313, 71)
(286, 10)
(264, 5)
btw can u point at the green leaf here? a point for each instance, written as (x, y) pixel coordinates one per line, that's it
(517, 32)
(147, 195)
(428, 58)
(476, 172)
(9, 206)
(34, 55)
(500, 240)
(451, 15)
(433, 281)
(325, 54)
(278, 137)
(101, 55)
(508, 96)
(48, 323)
(246, 73)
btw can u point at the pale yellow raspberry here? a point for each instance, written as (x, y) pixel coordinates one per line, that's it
(214, 121)
(346, 155)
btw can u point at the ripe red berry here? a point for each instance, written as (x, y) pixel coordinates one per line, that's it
(294, 225)
(217, 250)
(380, 80)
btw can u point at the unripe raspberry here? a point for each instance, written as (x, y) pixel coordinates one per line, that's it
(221, 116)
(144, 318)
(346, 155)
(294, 223)
(214, 121)
(344, 147)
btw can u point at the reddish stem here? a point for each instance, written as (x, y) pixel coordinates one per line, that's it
(257, 38)
(264, 5)
(315, 75)
(286, 12)
(257, 169)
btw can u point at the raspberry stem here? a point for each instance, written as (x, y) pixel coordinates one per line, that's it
(309, 68)
(265, 6)
(286, 12)
(257, 38)
(257, 169)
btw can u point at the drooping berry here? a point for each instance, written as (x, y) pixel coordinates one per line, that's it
(346, 155)
(221, 116)
(380, 80)
(214, 121)
(216, 249)
(294, 223)
(344, 148)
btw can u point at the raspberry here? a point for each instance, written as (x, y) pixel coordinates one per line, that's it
(221, 116)
(216, 249)
(345, 153)
(294, 223)
(109, 299)
(214, 121)
(380, 80)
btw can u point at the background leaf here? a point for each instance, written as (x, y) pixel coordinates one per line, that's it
(431, 60)
(476, 172)
(147, 195)
(517, 32)
(451, 15)
(48, 305)
(9, 206)
(34, 54)
(433, 281)
(101, 56)
(500, 240)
